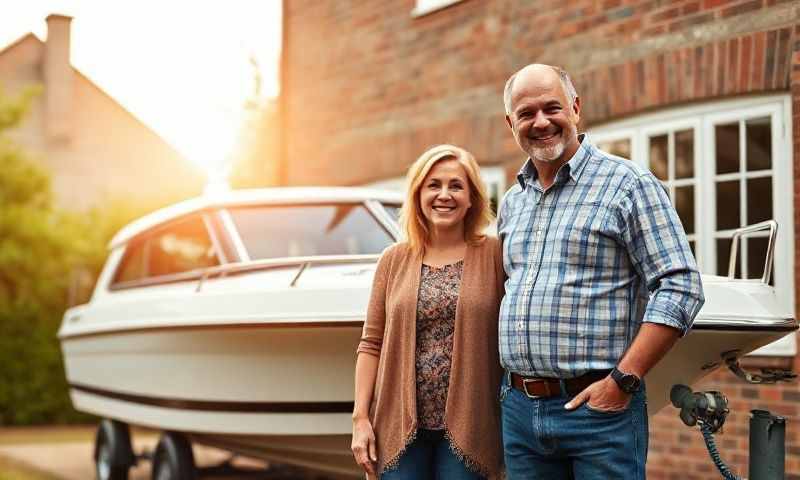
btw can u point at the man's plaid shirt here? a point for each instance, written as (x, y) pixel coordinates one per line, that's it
(588, 260)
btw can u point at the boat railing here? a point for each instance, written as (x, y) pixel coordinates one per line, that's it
(302, 263)
(770, 225)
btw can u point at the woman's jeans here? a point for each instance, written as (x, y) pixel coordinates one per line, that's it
(542, 440)
(429, 458)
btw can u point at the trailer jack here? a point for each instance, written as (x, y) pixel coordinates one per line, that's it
(767, 432)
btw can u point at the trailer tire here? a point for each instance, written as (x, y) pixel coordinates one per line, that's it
(173, 459)
(113, 454)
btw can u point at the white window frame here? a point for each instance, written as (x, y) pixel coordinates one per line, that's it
(703, 119)
(424, 7)
(642, 154)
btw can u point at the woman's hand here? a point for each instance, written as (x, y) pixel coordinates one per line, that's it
(363, 445)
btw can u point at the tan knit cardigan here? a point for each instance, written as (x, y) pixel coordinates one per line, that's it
(472, 412)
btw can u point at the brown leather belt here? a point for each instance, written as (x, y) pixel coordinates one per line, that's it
(537, 387)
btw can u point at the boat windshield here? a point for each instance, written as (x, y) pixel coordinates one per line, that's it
(277, 231)
(393, 209)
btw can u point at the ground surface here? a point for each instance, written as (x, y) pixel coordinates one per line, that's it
(65, 453)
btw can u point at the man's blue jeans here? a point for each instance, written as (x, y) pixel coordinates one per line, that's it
(542, 440)
(429, 458)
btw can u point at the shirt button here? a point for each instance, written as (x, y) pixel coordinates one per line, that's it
(520, 325)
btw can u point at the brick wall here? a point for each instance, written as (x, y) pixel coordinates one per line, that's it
(367, 87)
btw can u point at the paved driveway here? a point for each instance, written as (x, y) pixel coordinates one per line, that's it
(73, 461)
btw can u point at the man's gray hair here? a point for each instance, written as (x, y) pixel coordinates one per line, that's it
(566, 83)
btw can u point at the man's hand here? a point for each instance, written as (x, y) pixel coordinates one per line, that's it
(363, 446)
(603, 395)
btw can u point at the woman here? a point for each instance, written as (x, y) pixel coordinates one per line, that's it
(427, 374)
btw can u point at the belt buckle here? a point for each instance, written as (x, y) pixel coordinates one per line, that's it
(526, 381)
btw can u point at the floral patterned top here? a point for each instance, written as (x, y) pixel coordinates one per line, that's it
(436, 315)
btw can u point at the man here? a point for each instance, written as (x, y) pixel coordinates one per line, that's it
(601, 284)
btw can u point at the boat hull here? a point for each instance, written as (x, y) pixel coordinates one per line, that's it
(282, 391)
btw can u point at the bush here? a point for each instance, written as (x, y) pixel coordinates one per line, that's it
(40, 249)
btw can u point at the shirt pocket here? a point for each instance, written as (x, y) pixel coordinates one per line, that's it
(583, 234)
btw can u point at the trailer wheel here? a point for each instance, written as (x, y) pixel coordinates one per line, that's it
(113, 455)
(173, 459)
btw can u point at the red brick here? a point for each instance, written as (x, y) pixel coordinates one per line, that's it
(744, 63)
(708, 4)
(782, 59)
(667, 14)
(769, 60)
(732, 66)
(720, 67)
(690, 8)
(745, 7)
(759, 60)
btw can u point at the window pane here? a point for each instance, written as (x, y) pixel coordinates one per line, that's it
(132, 265)
(728, 205)
(620, 148)
(759, 199)
(759, 144)
(727, 141)
(658, 156)
(756, 256)
(181, 247)
(307, 230)
(393, 210)
(684, 204)
(723, 257)
(684, 154)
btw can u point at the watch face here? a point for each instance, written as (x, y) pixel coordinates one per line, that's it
(629, 383)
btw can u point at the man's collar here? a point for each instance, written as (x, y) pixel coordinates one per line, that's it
(574, 166)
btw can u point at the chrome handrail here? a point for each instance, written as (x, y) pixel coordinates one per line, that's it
(772, 225)
(302, 262)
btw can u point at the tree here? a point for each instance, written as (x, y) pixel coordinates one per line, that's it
(41, 249)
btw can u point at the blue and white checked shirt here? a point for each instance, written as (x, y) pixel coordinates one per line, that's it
(588, 260)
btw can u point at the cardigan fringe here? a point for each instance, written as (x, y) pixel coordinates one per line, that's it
(472, 464)
(395, 460)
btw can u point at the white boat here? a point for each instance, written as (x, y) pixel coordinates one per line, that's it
(232, 321)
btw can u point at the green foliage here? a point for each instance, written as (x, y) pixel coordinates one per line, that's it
(41, 248)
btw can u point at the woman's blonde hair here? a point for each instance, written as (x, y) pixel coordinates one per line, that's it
(412, 220)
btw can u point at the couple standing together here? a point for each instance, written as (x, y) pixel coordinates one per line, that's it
(592, 281)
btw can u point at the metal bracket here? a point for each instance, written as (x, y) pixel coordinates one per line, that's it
(767, 376)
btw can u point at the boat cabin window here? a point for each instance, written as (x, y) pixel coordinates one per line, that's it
(132, 266)
(393, 209)
(276, 231)
(177, 248)
(181, 247)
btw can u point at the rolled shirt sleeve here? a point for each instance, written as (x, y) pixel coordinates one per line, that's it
(660, 252)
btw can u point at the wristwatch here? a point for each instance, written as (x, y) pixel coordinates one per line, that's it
(627, 382)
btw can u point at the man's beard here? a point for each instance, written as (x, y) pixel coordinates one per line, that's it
(552, 153)
(547, 154)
